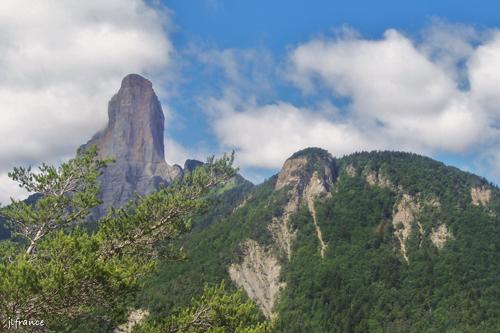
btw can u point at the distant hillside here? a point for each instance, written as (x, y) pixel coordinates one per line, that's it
(371, 242)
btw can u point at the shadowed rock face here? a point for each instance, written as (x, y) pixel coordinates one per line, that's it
(134, 138)
(190, 165)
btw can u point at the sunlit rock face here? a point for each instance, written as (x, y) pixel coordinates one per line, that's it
(307, 175)
(134, 139)
(258, 275)
(480, 195)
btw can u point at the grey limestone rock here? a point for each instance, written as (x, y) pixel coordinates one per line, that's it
(134, 139)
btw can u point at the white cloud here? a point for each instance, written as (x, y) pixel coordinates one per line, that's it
(9, 189)
(391, 82)
(265, 136)
(60, 62)
(484, 76)
(439, 94)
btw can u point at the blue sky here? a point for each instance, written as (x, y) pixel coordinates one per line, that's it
(263, 78)
(275, 24)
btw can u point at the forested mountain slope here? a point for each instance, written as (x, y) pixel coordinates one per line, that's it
(371, 242)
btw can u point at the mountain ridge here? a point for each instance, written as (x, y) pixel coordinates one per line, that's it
(386, 219)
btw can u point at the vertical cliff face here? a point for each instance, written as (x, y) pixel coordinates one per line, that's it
(134, 139)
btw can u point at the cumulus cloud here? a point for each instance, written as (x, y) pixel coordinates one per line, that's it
(437, 94)
(392, 83)
(484, 76)
(266, 135)
(60, 62)
(10, 189)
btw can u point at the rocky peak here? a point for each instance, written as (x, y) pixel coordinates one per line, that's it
(136, 123)
(134, 138)
(307, 174)
(300, 168)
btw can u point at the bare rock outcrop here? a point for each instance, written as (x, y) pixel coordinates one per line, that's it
(350, 170)
(480, 195)
(134, 139)
(308, 174)
(440, 235)
(283, 233)
(290, 174)
(134, 318)
(404, 215)
(371, 177)
(405, 218)
(314, 189)
(376, 178)
(258, 275)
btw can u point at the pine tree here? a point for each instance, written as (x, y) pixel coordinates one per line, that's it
(215, 311)
(59, 270)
